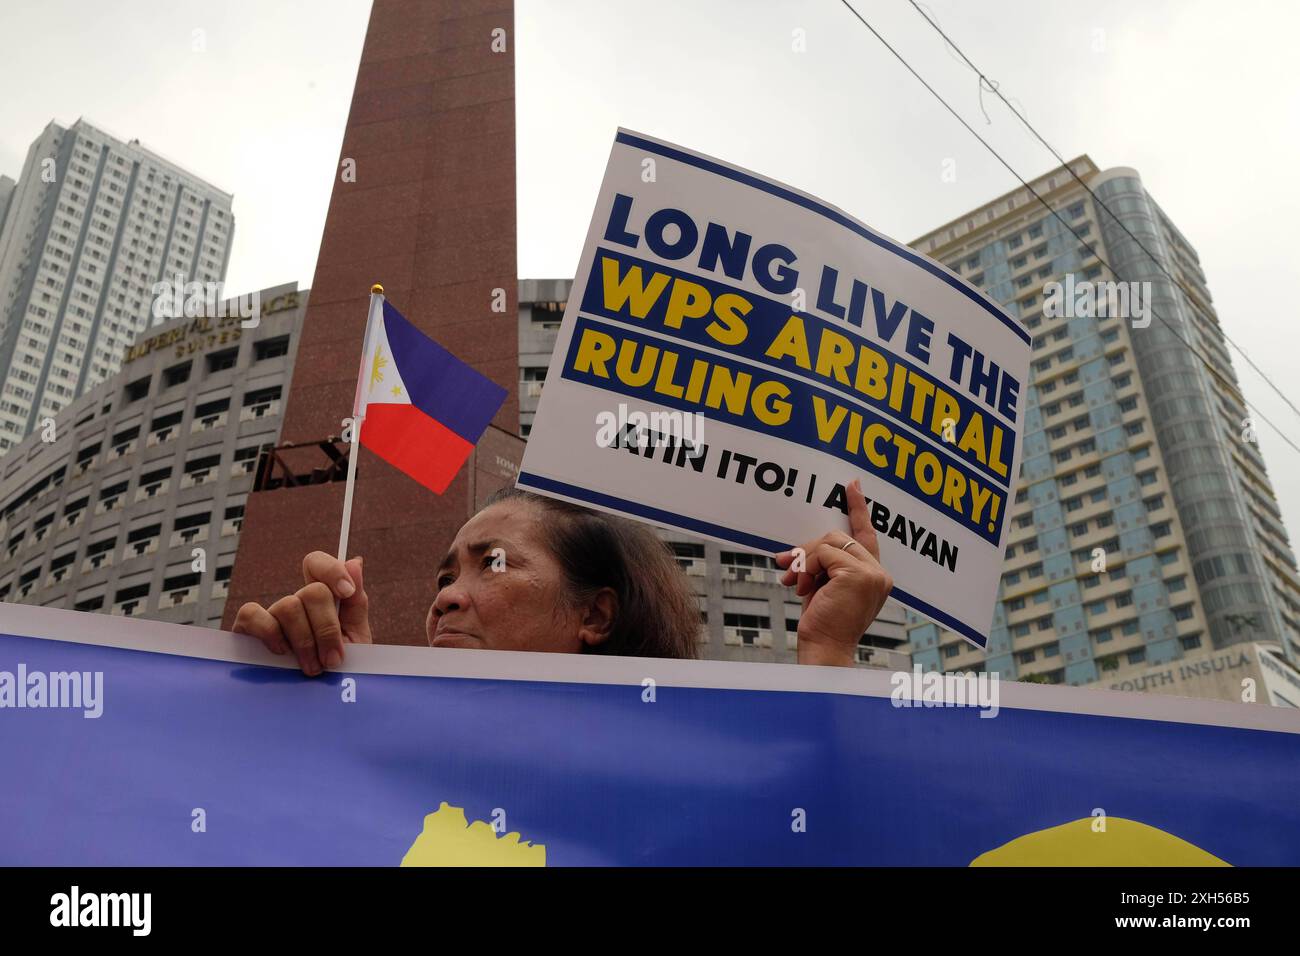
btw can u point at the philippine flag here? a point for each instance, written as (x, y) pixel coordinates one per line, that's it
(420, 408)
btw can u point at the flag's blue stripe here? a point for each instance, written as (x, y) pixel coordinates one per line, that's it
(838, 217)
(439, 384)
(758, 543)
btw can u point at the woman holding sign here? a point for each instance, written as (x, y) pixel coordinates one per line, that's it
(532, 573)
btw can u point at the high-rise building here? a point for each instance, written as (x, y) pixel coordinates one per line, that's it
(1144, 527)
(7, 186)
(91, 227)
(746, 614)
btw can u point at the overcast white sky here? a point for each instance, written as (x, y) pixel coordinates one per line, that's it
(1202, 97)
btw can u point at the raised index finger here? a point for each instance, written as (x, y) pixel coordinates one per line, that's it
(860, 519)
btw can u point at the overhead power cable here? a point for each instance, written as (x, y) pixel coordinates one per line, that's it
(993, 87)
(1209, 366)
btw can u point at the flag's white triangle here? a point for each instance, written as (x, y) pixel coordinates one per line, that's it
(383, 381)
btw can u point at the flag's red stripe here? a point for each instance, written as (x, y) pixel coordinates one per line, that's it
(408, 439)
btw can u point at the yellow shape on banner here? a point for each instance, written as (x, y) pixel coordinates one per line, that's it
(448, 840)
(1122, 843)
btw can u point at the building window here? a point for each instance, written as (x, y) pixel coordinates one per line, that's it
(747, 627)
(129, 600)
(271, 348)
(740, 566)
(176, 375)
(137, 390)
(690, 556)
(219, 361)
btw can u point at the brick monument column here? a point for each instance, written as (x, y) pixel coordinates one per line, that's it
(430, 216)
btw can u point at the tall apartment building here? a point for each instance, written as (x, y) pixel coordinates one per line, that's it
(7, 186)
(91, 226)
(1132, 446)
(746, 613)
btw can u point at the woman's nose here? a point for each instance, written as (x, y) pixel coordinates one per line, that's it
(450, 598)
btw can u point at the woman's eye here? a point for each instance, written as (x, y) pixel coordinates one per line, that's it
(488, 560)
(444, 581)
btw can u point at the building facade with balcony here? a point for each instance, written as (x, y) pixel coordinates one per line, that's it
(1144, 529)
(133, 503)
(746, 614)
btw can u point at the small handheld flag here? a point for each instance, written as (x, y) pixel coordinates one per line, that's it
(422, 409)
(417, 406)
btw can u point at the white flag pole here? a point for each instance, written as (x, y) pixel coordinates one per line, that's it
(359, 411)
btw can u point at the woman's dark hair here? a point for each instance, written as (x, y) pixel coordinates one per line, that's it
(657, 612)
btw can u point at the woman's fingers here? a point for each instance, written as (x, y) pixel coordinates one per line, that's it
(354, 612)
(803, 568)
(297, 629)
(860, 529)
(258, 622)
(344, 580)
(860, 519)
(318, 602)
(315, 622)
(330, 571)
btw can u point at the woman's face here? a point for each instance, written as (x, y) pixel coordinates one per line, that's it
(500, 588)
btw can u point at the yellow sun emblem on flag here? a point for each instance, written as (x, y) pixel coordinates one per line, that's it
(377, 367)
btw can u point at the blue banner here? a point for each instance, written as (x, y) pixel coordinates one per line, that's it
(218, 753)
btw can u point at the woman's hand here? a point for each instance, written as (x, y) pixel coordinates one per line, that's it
(330, 610)
(843, 588)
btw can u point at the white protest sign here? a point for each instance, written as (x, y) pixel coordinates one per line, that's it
(734, 352)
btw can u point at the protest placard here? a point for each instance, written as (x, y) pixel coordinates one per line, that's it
(735, 352)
